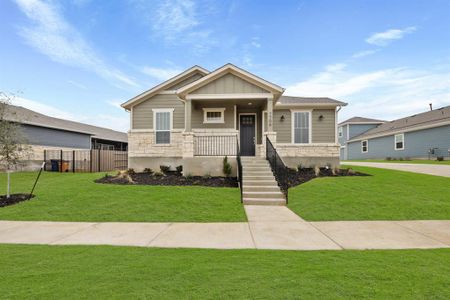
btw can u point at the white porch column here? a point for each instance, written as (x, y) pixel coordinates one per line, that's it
(187, 115)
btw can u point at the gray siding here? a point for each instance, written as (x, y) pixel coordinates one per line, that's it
(197, 115)
(143, 115)
(282, 128)
(323, 130)
(53, 137)
(417, 144)
(184, 82)
(342, 140)
(357, 129)
(229, 83)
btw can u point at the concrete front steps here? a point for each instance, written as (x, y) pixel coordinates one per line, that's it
(259, 186)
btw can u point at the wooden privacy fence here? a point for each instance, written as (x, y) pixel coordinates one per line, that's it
(85, 160)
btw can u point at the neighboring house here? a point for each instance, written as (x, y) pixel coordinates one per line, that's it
(44, 132)
(197, 117)
(351, 128)
(425, 135)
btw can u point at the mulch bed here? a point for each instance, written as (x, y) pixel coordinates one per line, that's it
(13, 199)
(297, 177)
(171, 179)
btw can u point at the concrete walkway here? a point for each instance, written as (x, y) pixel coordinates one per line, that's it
(269, 227)
(438, 170)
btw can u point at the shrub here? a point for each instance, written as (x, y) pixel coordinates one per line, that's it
(400, 159)
(207, 176)
(299, 167)
(440, 158)
(227, 169)
(388, 158)
(148, 171)
(189, 176)
(131, 171)
(158, 174)
(164, 169)
(179, 169)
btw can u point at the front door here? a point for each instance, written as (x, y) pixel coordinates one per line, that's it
(247, 126)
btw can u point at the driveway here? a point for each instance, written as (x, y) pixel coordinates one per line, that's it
(438, 170)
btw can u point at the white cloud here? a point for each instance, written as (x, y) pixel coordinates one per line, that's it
(115, 103)
(364, 53)
(77, 84)
(334, 82)
(178, 22)
(385, 37)
(160, 73)
(115, 122)
(174, 17)
(384, 94)
(54, 37)
(42, 108)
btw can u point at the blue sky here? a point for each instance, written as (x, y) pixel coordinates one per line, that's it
(80, 59)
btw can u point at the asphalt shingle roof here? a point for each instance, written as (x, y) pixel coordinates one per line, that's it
(432, 117)
(309, 100)
(361, 120)
(27, 116)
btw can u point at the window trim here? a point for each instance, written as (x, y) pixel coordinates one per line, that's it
(340, 131)
(403, 142)
(367, 146)
(215, 109)
(293, 111)
(163, 110)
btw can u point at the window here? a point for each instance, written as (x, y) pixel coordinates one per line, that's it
(365, 146)
(162, 124)
(301, 127)
(399, 141)
(340, 132)
(213, 115)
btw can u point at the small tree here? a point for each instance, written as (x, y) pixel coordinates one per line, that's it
(227, 169)
(12, 141)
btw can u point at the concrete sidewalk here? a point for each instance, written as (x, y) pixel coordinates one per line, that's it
(438, 170)
(269, 227)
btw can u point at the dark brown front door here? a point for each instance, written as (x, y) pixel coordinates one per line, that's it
(247, 127)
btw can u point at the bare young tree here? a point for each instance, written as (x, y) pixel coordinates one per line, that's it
(13, 144)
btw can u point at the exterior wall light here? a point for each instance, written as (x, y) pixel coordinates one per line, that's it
(282, 118)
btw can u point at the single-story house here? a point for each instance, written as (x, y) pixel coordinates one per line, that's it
(424, 135)
(45, 132)
(351, 128)
(197, 117)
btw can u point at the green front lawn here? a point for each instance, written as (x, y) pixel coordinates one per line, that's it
(414, 161)
(101, 272)
(387, 195)
(75, 197)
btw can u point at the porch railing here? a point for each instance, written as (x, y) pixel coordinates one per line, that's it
(278, 167)
(239, 167)
(215, 145)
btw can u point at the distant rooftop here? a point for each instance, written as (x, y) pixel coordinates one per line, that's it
(429, 118)
(362, 120)
(27, 116)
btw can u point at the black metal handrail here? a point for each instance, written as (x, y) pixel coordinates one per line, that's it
(279, 169)
(239, 166)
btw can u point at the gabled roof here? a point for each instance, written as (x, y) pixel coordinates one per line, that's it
(26, 116)
(291, 100)
(230, 68)
(361, 120)
(178, 78)
(429, 119)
